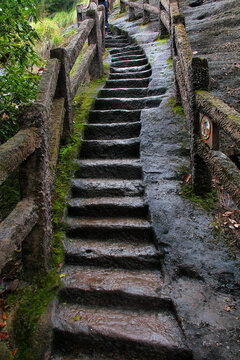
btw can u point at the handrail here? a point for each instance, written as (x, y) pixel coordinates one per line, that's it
(34, 149)
(191, 80)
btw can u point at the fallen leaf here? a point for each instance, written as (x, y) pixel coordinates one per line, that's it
(237, 318)
(227, 213)
(2, 324)
(227, 308)
(187, 177)
(76, 318)
(231, 227)
(236, 226)
(4, 316)
(62, 275)
(14, 352)
(99, 319)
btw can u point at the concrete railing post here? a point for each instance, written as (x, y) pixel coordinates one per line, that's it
(122, 7)
(131, 12)
(146, 14)
(95, 37)
(199, 80)
(162, 29)
(64, 89)
(81, 14)
(35, 182)
(102, 25)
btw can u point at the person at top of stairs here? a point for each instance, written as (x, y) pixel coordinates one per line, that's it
(107, 4)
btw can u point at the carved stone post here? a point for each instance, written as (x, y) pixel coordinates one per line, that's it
(122, 7)
(95, 37)
(64, 89)
(199, 80)
(35, 182)
(131, 12)
(162, 30)
(146, 14)
(102, 25)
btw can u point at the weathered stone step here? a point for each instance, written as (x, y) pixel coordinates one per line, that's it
(140, 335)
(138, 52)
(125, 50)
(128, 83)
(129, 63)
(136, 289)
(81, 356)
(110, 149)
(110, 228)
(104, 187)
(131, 75)
(126, 69)
(111, 131)
(116, 44)
(128, 104)
(114, 254)
(128, 57)
(131, 92)
(108, 207)
(111, 169)
(113, 116)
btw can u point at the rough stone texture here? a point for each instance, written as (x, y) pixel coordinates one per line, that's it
(15, 228)
(199, 274)
(47, 86)
(82, 69)
(16, 150)
(35, 181)
(76, 44)
(56, 126)
(213, 29)
(64, 88)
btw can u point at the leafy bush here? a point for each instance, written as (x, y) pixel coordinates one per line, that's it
(17, 57)
(53, 6)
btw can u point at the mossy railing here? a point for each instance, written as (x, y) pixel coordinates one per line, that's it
(191, 79)
(45, 124)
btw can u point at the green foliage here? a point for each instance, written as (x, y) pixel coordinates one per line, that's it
(17, 57)
(53, 6)
(32, 300)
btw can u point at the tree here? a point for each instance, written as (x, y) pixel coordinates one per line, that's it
(17, 58)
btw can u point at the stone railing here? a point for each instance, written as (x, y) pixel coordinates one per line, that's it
(34, 149)
(207, 115)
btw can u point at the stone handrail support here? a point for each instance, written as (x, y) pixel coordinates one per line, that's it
(206, 114)
(45, 124)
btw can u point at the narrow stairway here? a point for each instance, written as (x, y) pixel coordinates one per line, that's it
(110, 304)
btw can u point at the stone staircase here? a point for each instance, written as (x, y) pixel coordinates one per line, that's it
(110, 304)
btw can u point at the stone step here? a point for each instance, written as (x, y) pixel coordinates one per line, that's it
(129, 63)
(128, 83)
(104, 187)
(128, 57)
(126, 69)
(112, 131)
(113, 116)
(94, 356)
(136, 52)
(135, 289)
(131, 75)
(108, 207)
(116, 44)
(131, 92)
(110, 149)
(114, 254)
(128, 169)
(125, 50)
(127, 104)
(140, 335)
(129, 229)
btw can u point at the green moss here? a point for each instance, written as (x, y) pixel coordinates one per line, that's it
(206, 201)
(175, 107)
(170, 62)
(32, 300)
(143, 25)
(162, 39)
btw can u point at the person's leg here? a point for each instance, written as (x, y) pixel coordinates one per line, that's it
(106, 16)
